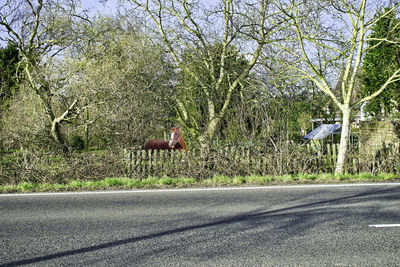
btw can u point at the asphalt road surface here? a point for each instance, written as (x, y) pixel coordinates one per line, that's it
(341, 225)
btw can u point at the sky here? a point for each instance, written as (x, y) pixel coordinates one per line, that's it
(110, 6)
(94, 6)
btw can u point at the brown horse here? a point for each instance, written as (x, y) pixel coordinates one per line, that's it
(175, 142)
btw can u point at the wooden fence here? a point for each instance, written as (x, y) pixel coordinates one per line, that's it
(41, 166)
(232, 161)
(379, 158)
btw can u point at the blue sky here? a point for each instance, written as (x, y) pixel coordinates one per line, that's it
(95, 6)
(111, 5)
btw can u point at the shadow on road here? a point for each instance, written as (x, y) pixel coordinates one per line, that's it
(254, 217)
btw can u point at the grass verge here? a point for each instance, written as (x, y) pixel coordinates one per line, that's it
(167, 182)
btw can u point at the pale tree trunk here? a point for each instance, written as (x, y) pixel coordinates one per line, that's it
(55, 129)
(56, 125)
(206, 138)
(307, 41)
(57, 136)
(344, 141)
(44, 92)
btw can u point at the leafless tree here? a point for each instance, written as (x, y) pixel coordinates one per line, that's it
(42, 31)
(322, 35)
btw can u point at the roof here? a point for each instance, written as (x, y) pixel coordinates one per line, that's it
(323, 131)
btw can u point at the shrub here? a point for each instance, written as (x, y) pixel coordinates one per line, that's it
(77, 143)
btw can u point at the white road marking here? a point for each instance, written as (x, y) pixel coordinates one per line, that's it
(384, 225)
(198, 189)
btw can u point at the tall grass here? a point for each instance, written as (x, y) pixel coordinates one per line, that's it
(168, 182)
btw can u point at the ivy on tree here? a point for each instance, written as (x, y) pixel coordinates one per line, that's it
(380, 61)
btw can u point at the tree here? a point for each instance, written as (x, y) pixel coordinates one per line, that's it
(23, 124)
(9, 84)
(318, 39)
(41, 31)
(124, 83)
(9, 59)
(382, 59)
(195, 117)
(243, 24)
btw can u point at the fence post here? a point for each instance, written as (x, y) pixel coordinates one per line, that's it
(127, 159)
(160, 162)
(137, 161)
(155, 161)
(150, 169)
(232, 160)
(144, 154)
(334, 155)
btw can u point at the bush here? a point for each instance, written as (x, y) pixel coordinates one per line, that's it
(77, 143)
(47, 167)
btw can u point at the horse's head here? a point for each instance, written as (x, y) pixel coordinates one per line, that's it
(174, 136)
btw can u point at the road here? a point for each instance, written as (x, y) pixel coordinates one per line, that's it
(340, 225)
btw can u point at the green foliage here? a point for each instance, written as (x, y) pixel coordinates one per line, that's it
(380, 61)
(110, 182)
(125, 87)
(195, 95)
(218, 179)
(166, 181)
(77, 143)
(238, 180)
(9, 58)
(253, 115)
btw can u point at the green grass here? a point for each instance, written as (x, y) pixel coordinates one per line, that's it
(218, 180)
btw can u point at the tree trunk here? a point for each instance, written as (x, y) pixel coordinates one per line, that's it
(57, 136)
(55, 130)
(206, 138)
(344, 141)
